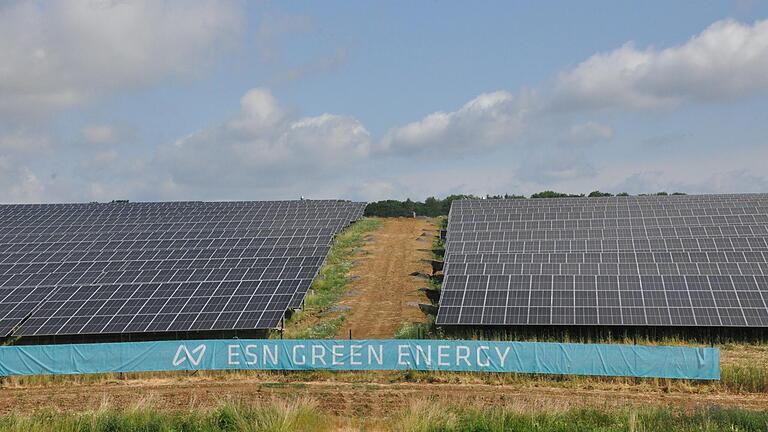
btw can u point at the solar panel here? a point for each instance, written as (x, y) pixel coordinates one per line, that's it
(160, 267)
(631, 261)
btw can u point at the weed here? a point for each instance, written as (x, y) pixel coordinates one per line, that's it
(423, 417)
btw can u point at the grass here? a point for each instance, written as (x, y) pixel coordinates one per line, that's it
(438, 244)
(324, 329)
(415, 330)
(421, 416)
(273, 416)
(318, 319)
(429, 417)
(735, 379)
(745, 378)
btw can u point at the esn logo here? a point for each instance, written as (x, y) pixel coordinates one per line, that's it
(183, 354)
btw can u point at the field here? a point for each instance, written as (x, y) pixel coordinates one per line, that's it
(366, 280)
(304, 415)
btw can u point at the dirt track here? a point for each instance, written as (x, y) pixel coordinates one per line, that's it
(382, 294)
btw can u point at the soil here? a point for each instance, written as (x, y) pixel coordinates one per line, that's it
(382, 295)
(349, 400)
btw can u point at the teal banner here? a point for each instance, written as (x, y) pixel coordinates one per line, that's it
(427, 355)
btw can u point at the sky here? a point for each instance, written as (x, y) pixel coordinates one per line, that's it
(232, 100)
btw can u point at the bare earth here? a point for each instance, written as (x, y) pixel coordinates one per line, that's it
(383, 294)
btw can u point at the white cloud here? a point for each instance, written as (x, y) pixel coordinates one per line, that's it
(101, 160)
(18, 184)
(62, 54)
(264, 145)
(589, 132)
(489, 120)
(728, 59)
(23, 141)
(497, 142)
(711, 170)
(664, 179)
(374, 190)
(99, 134)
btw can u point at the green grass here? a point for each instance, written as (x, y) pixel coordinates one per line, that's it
(430, 417)
(438, 245)
(425, 330)
(317, 320)
(442, 222)
(422, 416)
(325, 329)
(438, 249)
(275, 416)
(744, 378)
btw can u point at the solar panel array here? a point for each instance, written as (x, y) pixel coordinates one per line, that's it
(160, 267)
(637, 261)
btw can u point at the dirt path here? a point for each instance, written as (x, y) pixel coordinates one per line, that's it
(350, 400)
(383, 295)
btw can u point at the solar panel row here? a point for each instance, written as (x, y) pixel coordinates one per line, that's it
(654, 260)
(159, 267)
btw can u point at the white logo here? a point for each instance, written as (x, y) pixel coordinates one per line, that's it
(183, 354)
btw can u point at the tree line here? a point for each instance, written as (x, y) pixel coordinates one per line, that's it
(433, 206)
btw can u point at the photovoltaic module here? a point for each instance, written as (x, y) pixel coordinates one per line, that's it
(626, 261)
(70, 269)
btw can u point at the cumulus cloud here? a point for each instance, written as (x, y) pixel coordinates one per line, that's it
(62, 54)
(265, 144)
(548, 138)
(727, 60)
(488, 120)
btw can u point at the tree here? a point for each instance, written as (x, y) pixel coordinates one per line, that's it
(553, 194)
(434, 206)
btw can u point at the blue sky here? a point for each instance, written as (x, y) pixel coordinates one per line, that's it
(176, 100)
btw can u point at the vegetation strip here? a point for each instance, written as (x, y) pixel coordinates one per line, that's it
(422, 416)
(319, 319)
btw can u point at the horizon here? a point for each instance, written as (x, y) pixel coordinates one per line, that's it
(456, 197)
